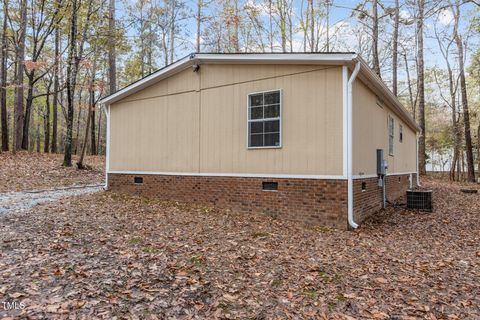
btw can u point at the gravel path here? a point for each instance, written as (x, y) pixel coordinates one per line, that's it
(23, 200)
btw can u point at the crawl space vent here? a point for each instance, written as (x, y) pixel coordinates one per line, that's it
(270, 186)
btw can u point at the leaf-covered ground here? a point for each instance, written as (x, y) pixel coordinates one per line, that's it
(110, 256)
(30, 170)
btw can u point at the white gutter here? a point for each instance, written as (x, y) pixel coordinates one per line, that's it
(349, 129)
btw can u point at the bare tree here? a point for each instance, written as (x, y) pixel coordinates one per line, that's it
(55, 88)
(42, 25)
(395, 47)
(91, 107)
(74, 56)
(463, 92)
(112, 65)
(421, 86)
(445, 44)
(19, 88)
(3, 78)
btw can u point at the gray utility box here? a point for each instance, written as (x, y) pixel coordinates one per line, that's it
(419, 199)
(381, 163)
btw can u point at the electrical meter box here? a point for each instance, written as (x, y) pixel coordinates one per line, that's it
(382, 164)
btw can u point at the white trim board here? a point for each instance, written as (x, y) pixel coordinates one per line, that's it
(254, 175)
(366, 176)
(239, 175)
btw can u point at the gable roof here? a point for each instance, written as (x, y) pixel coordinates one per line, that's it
(367, 75)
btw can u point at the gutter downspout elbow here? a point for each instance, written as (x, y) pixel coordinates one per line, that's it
(352, 78)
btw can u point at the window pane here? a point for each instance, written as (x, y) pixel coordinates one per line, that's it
(272, 139)
(272, 111)
(256, 127)
(272, 97)
(256, 140)
(256, 113)
(256, 100)
(272, 126)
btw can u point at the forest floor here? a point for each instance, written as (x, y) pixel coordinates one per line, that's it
(30, 170)
(105, 255)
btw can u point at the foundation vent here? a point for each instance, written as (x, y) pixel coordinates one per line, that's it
(138, 180)
(270, 186)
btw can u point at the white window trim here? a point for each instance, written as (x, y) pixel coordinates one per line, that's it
(392, 120)
(265, 119)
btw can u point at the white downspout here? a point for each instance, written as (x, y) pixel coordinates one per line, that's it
(349, 128)
(107, 145)
(418, 179)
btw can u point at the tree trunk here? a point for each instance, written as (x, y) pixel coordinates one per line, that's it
(376, 60)
(70, 84)
(421, 88)
(478, 148)
(112, 65)
(99, 149)
(312, 26)
(46, 128)
(3, 79)
(20, 63)
(91, 107)
(395, 48)
(79, 116)
(410, 91)
(199, 23)
(28, 110)
(173, 30)
(237, 27)
(463, 92)
(93, 144)
(55, 90)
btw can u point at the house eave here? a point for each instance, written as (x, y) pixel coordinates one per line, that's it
(349, 59)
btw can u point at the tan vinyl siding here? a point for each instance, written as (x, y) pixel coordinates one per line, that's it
(158, 134)
(184, 81)
(206, 131)
(370, 127)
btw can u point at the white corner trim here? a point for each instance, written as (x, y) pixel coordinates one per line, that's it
(107, 146)
(345, 118)
(240, 175)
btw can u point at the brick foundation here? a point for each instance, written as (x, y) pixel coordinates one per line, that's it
(311, 201)
(370, 200)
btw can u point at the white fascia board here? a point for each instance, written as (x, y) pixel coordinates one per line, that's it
(276, 57)
(148, 80)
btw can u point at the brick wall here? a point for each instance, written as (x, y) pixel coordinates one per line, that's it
(369, 201)
(311, 201)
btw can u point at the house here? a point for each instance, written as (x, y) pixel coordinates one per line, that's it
(292, 135)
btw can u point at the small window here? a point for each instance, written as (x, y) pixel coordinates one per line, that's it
(391, 130)
(364, 186)
(400, 133)
(138, 180)
(264, 119)
(270, 186)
